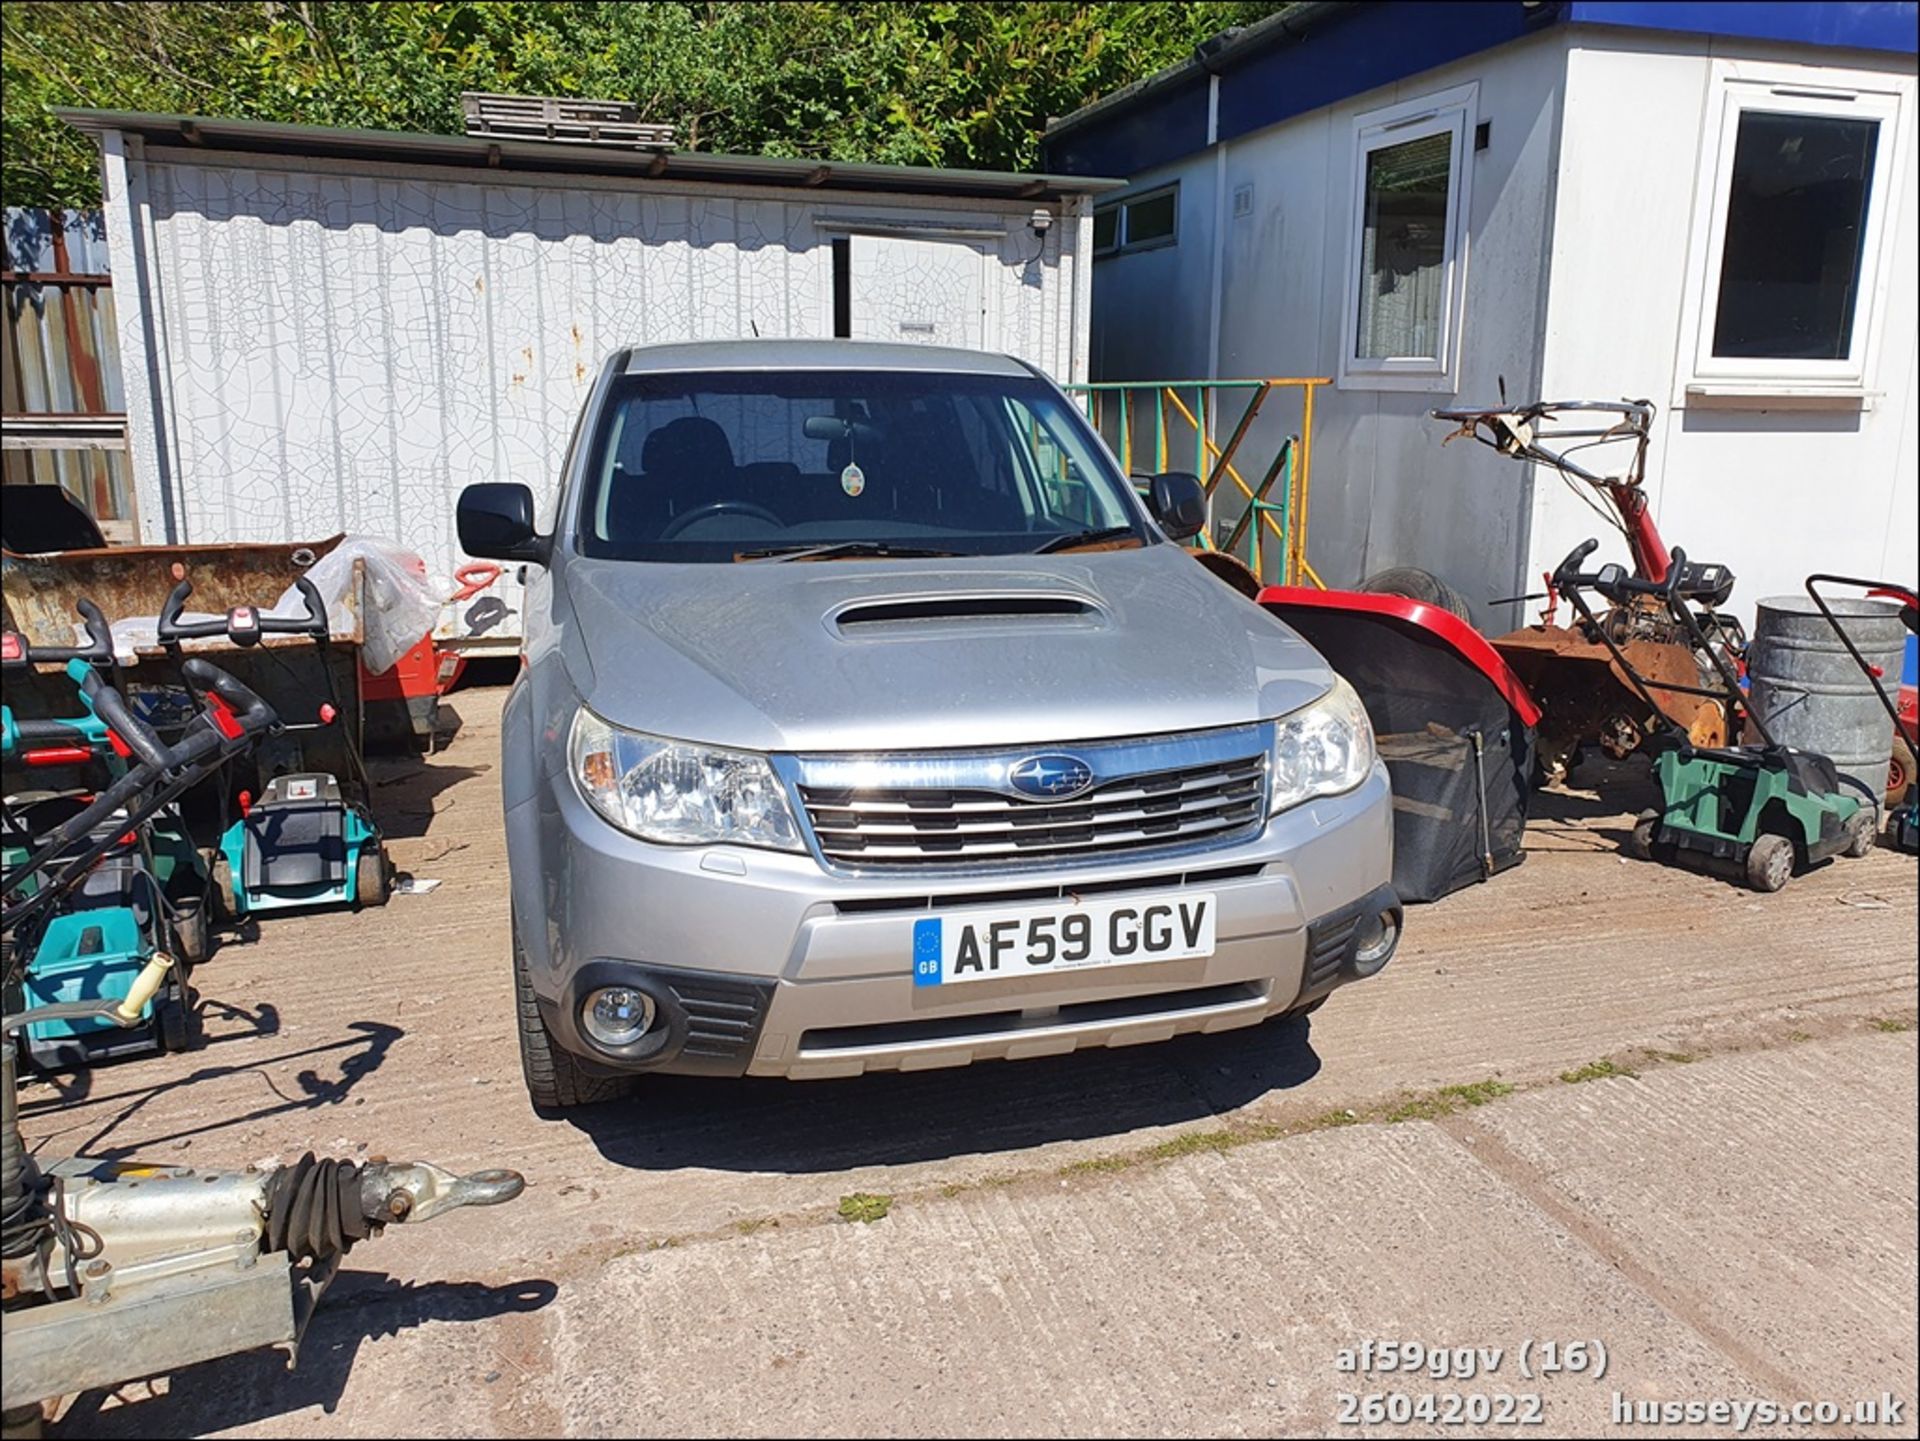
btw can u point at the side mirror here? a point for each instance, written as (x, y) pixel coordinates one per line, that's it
(1179, 503)
(495, 520)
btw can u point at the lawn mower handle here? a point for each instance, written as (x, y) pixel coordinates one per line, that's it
(231, 721)
(254, 715)
(97, 651)
(247, 713)
(1614, 581)
(313, 623)
(108, 704)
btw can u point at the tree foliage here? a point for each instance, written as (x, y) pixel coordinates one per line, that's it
(942, 83)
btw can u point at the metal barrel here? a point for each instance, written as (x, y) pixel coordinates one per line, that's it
(1813, 694)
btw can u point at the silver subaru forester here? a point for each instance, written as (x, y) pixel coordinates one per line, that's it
(870, 720)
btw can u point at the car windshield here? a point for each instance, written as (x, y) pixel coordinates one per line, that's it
(724, 466)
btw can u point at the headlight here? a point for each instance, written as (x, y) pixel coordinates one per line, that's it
(1321, 750)
(677, 793)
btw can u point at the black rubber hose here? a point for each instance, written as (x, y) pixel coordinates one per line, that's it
(314, 1211)
(23, 1212)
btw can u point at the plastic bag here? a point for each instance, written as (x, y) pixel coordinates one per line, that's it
(402, 600)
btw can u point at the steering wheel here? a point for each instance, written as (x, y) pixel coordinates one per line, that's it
(719, 507)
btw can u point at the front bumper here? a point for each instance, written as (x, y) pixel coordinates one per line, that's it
(762, 963)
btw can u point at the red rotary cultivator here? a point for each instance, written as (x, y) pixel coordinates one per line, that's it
(1584, 695)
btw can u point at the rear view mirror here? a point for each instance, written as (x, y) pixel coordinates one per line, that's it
(495, 520)
(1179, 503)
(834, 427)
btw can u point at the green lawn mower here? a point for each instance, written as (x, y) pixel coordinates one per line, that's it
(1755, 813)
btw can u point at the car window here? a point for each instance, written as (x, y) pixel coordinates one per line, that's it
(1062, 488)
(713, 465)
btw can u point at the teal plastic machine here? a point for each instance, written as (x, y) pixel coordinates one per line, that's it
(112, 923)
(303, 843)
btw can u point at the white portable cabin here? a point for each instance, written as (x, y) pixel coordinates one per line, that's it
(326, 330)
(1710, 206)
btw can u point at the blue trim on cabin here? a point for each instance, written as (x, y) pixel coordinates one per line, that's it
(1157, 130)
(1360, 50)
(1349, 50)
(1852, 26)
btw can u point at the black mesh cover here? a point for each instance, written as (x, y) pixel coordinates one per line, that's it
(1428, 703)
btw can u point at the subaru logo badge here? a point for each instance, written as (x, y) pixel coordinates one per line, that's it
(1050, 777)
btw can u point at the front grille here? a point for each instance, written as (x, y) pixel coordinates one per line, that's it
(1216, 800)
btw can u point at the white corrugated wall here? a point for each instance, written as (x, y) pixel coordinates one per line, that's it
(325, 346)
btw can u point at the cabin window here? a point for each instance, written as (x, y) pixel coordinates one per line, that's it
(1406, 259)
(1141, 222)
(1791, 221)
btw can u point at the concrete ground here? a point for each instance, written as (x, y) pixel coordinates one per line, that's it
(1595, 1101)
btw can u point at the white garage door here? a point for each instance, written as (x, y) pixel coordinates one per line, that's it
(927, 292)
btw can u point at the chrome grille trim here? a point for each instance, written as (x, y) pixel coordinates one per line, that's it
(920, 811)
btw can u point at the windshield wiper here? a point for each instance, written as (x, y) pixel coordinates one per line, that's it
(838, 549)
(1084, 537)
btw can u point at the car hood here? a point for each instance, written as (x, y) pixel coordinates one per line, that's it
(859, 655)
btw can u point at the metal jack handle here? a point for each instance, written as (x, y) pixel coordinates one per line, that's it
(402, 1191)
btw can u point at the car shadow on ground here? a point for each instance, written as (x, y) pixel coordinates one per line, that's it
(891, 1118)
(255, 1385)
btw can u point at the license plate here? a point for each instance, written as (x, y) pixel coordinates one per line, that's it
(992, 945)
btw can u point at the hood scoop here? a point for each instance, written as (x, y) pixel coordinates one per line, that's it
(972, 612)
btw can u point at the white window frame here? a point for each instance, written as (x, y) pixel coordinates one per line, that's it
(1125, 245)
(1452, 112)
(1736, 87)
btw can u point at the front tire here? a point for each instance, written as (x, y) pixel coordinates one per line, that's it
(555, 1080)
(1863, 830)
(1769, 863)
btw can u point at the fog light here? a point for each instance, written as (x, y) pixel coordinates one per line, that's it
(1373, 944)
(617, 1016)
